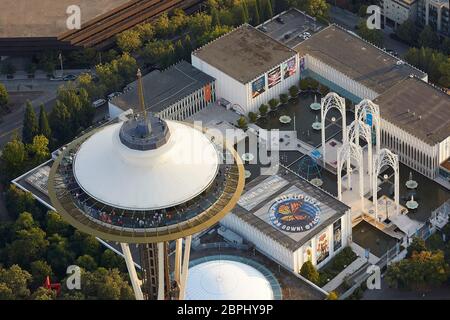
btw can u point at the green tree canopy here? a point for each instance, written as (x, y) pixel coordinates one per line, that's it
(40, 269)
(30, 124)
(129, 40)
(86, 262)
(16, 280)
(309, 272)
(44, 126)
(428, 38)
(38, 150)
(373, 36)
(106, 285)
(4, 98)
(13, 159)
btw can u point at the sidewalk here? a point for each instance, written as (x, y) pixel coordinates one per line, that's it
(352, 268)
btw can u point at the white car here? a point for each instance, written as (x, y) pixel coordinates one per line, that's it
(98, 103)
(113, 95)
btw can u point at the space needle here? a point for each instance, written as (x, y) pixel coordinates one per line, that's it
(149, 182)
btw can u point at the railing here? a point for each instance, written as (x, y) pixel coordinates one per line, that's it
(219, 245)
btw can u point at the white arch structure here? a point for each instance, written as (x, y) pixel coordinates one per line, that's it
(385, 158)
(364, 108)
(330, 101)
(347, 152)
(359, 129)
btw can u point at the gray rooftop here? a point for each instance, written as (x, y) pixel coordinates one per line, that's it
(295, 22)
(47, 18)
(164, 88)
(429, 109)
(244, 53)
(356, 58)
(255, 212)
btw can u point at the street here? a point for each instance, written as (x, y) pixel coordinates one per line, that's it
(349, 20)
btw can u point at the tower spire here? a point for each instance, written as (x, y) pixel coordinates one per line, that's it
(141, 99)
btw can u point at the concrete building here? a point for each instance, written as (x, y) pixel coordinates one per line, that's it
(436, 14)
(291, 221)
(396, 12)
(351, 66)
(415, 124)
(250, 67)
(173, 94)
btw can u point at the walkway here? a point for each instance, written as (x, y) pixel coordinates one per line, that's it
(340, 278)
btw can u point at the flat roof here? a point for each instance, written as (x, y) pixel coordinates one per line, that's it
(418, 108)
(244, 53)
(357, 59)
(164, 88)
(259, 195)
(46, 18)
(295, 22)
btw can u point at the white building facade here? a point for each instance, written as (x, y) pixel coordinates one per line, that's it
(398, 11)
(246, 97)
(292, 259)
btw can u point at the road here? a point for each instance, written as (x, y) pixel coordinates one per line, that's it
(349, 20)
(12, 122)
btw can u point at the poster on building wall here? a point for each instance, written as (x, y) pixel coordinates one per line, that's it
(290, 67)
(274, 77)
(302, 64)
(207, 92)
(323, 247)
(258, 86)
(337, 235)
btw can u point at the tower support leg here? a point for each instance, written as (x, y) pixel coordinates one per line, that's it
(135, 282)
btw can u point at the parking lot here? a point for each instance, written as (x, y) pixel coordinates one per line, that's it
(291, 27)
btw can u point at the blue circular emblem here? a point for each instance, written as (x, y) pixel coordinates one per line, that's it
(294, 213)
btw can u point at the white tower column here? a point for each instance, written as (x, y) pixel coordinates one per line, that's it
(185, 266)
(135, 282)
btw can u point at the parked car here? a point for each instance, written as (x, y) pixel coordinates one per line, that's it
(98, 103)
(113, 95)
(263, 28)
(70, 77)
(280, 20)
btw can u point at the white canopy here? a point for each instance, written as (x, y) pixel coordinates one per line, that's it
(131, 179)
(227, 280)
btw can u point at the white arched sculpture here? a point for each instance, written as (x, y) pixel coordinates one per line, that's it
(385, 158)
(347, 152)
(364, 108)
(359, 129)
(332, 100)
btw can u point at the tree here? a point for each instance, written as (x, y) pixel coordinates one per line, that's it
(40, 270)
(162, 26)
(273, 103)
(44, 294)
(407, 32)
(215, 18)
(265, 7)
(373, 36)
(263, 108)
(17, 280)
(6, 292)
(309, 272)
(146, 31)
(106, 284)
(242, 123)
(332, 296)
(59, 255)
(129, 40)
(317, 8)
(199, 24)
(293, 91)
(60, 120)
(421, 271)
(256, 18)
(30, 124)
(82, 243)
(4, 98)
(12, 160)
(7, 68)
(29, 245)
(55, 224)
(159, 51)
(111, 260)
(178, 21)
(252, 116)
(18, 201)
(86, 262)
(428, 38)
(284, 98)
(38, 150)
(44, 126)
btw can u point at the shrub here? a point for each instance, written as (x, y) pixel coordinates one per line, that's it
(242, 123)
(284, 98)
(273, 103)
(263, 108)
(309, 272)
(252, 116)
(293, 91)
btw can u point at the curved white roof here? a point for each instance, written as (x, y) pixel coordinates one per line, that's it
(131, 179)
(227, 280)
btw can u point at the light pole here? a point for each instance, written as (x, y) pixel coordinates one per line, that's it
(61, 63)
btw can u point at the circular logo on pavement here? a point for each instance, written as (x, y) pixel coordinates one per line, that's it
(294, 213)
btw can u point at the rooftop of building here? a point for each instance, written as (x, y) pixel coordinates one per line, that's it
(47, 18)
(359, 60)
(261, 193)
(292, 25)
(163, 88)
(244, 53)
(418, 108)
